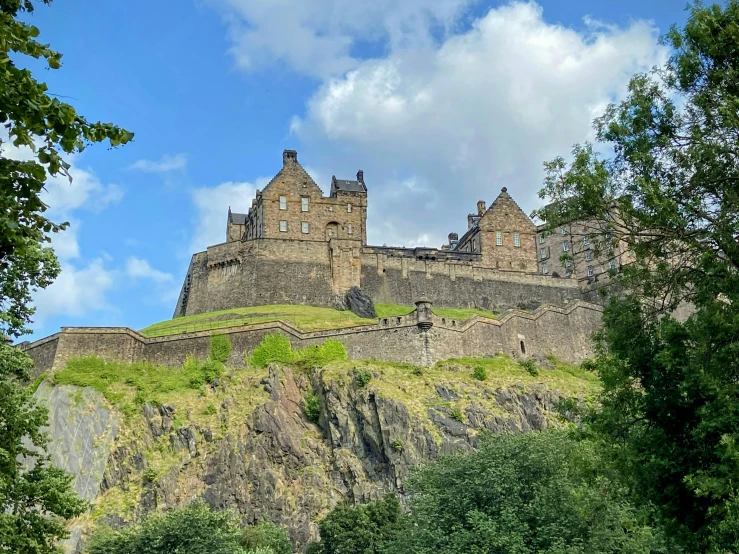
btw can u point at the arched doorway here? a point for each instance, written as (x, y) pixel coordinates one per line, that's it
(332, 230)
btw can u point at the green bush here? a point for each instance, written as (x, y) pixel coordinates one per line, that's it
(266, 537)
(220, 348)
(311, 407)
(211, 369)
(457, 414)
(273, 348)
(480, 373)
(529, 365)
(363, 377)
(397, 445)
(318, 356)
(210, 409)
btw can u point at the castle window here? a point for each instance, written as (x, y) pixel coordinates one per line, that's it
(586, 240)
(283, 202)
(588, 255)
(498, 238)
(304, 206)
(348, 207)
(516, 239)
(544, 268)
(541, 238)
(304, 227)
(568, 262)
(564, 230)
(565, 246)
(349, 228)
(543, 253)
(283, 226)
(612, 263)
(610, 248)
(591, 271)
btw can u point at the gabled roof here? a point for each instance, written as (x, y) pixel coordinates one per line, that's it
(505, 198)
(292, 170)
(237, 219)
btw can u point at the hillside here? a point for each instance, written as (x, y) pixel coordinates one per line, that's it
(287, 441)
(305, 318)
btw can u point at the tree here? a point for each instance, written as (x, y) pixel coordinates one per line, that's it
(367, 529)
(194, 529)
(267, 536)
(35, 119)
(670, 191)
(33, 504)
(539, 492)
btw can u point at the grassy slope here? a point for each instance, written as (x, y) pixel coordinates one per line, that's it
(305, 318)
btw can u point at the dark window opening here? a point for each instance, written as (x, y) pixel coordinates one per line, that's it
(384, 321)
(523, 348)
(398, 321)
(443, 321)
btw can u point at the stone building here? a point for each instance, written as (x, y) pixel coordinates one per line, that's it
(297, 246)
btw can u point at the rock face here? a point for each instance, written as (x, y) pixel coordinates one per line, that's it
(360, 303)
(261, 457)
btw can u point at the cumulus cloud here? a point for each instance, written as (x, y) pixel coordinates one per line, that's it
(318, 38)
(138, 268)
(437, 127)
(212, 205)
(165, 164)
(77, 291)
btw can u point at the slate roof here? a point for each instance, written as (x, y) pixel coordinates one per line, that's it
(347, 186)
(238, 219)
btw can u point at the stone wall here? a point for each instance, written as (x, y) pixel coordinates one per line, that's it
(563, 331)
(271, 271)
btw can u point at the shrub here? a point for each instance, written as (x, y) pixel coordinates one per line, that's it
(266, 537)
(311, 408)
(480, 373)
(417, 370)
(273, 348)
(397, 445)
(363, 377)
(210, 409)
(457, 414)
(318, 356)
(220, 348)
(211, 369)
(529, 365)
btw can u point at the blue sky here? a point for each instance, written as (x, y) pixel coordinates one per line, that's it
(441, 103)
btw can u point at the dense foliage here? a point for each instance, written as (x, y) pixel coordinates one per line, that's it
(276, 347)
(193, 529)
(371, 528)
(35, 119)
(34, 504)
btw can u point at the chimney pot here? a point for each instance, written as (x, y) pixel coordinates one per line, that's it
(453, 236)
(480, 207)
(289, 156)
(504, 189)
(360, 176)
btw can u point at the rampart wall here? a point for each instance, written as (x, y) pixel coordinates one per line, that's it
(272, 271)
(564, 332)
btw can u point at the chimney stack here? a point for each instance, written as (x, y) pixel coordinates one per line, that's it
(480, 207)
(360, 176)
(289, 156)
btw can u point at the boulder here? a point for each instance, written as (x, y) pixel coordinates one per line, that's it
(360, 303)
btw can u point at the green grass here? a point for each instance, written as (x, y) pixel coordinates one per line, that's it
(305, 318)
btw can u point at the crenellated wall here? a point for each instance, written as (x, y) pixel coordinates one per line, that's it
(564, 332)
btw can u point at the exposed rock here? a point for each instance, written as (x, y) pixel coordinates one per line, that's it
(265, 460)
(360, 303)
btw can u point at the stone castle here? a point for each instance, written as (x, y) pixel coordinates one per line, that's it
(297, 246)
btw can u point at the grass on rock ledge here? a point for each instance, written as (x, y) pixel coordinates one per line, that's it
(305, 318)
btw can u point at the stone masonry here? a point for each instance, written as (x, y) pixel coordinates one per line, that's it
(297, 246)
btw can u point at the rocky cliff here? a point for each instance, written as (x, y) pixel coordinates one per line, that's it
(246, 443)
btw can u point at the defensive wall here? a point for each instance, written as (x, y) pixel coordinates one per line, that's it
(420, 337)
(285, 271)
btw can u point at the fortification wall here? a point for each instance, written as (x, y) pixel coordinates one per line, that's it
(563, 331)
(400, 280)
(270, 271)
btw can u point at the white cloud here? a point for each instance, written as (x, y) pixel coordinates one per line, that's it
(167, 163)
(140, 269)
(438, 126)
(317, 38)
(212, 208)
(76, 292)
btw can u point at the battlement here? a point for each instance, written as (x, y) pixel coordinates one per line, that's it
(421, 338)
